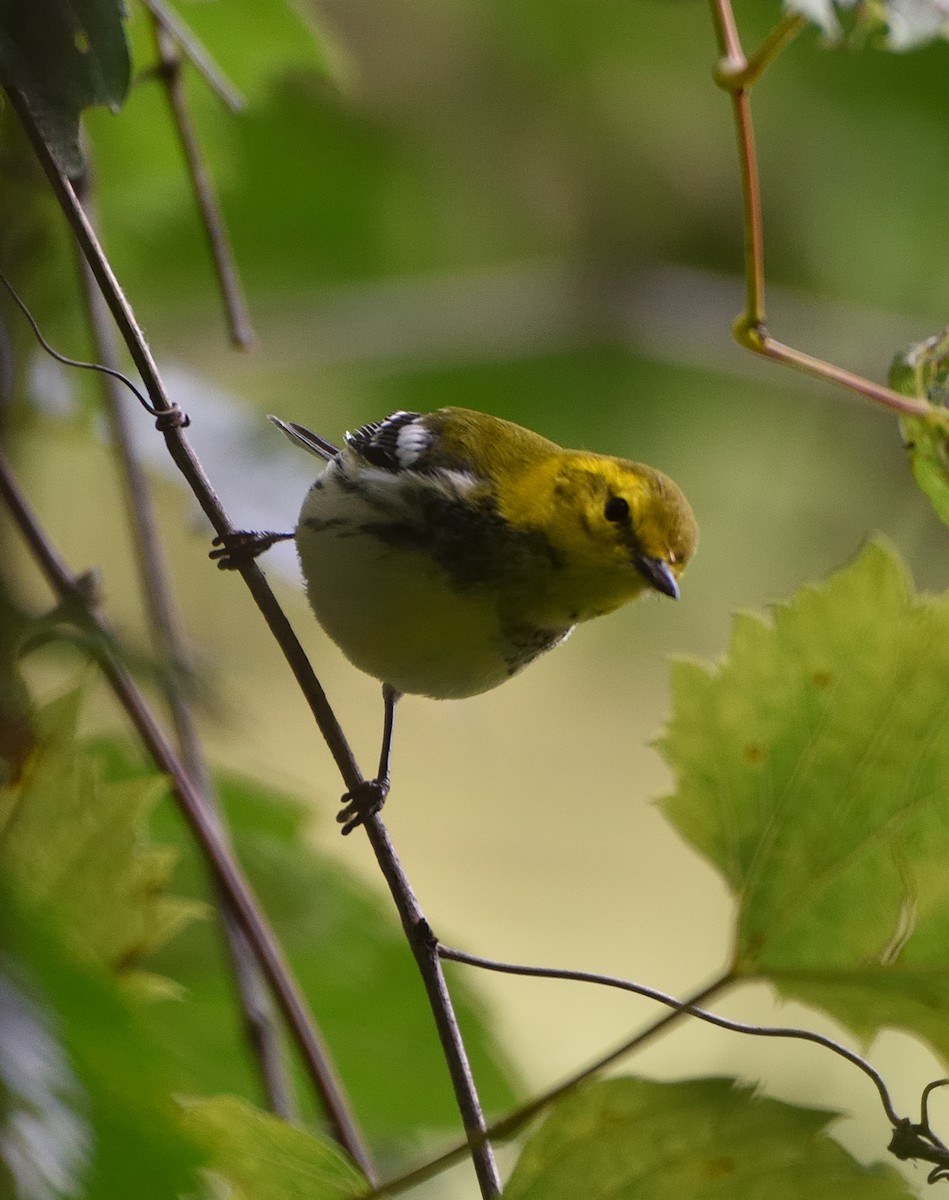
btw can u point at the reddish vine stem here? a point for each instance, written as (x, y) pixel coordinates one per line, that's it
(735, 73)
(184, 458)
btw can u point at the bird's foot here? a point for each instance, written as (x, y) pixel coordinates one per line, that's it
(241, 546)
(362, 803)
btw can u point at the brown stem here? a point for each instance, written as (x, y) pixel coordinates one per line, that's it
(736, 73)
(197, 54)
(425, 949)
(172, 652)
(232, 293)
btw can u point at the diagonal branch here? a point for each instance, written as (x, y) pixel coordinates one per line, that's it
(74, 595)
(219, 243)
(173, 653)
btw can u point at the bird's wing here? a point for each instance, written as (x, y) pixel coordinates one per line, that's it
(395, 443)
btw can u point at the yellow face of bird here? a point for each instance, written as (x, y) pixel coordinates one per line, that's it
(616, 527)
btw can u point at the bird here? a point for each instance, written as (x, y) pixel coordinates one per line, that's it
(445, 551)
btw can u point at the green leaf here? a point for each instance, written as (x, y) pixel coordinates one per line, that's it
(349, 955)
(64, 58)
(72, 843)
(922, 372)
(264, 1158)
(85, 1108)
(631, 1139)
(813, 770)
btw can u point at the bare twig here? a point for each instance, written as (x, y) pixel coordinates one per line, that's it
(330, 729)
(172, 651)
(735, 73)
(424, 948)
(197, 54)
(74, 596)
(232, 293)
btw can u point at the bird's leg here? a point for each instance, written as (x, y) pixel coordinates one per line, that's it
(242, 545)
(367, 799)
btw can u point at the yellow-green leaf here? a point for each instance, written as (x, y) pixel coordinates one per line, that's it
(633, 1139)
(813, 770)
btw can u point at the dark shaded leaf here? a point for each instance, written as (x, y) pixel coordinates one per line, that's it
(64, 57)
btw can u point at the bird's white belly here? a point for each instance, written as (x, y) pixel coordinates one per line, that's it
(394, 614)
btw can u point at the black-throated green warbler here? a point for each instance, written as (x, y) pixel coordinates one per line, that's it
(445, 551)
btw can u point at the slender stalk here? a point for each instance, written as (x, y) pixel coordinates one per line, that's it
(735, 73)
(172, 651)
(425, 949)
(74, 594)
(219, 243)
(330, 729)
(197, 54)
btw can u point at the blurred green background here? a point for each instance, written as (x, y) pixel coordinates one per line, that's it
(533, 210)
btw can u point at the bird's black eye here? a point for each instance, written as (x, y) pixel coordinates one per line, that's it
(616, 509)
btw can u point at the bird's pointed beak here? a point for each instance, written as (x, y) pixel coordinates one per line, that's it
(658, 575)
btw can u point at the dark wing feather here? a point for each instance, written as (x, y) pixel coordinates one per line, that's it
(377, 442)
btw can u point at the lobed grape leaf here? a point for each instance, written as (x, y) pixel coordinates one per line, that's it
(633, 1139)
(812, 770)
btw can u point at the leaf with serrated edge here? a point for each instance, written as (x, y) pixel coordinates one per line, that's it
(633, 1139)
(812, 769)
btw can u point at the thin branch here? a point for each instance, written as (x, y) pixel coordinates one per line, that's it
(329, 727)
(74, 594)
(690, 1009)
(197, 54)
(736, 73)
(232, 293)
(172, 651)
(424, 948)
